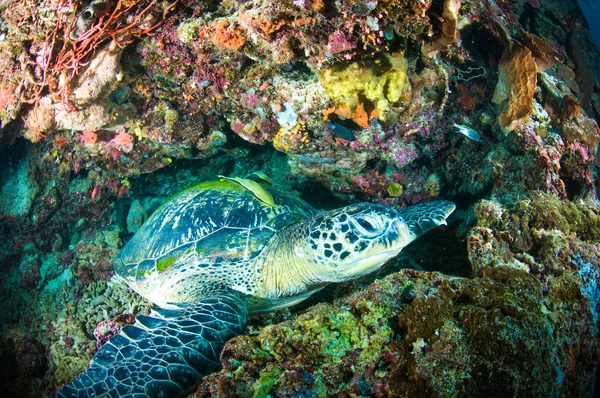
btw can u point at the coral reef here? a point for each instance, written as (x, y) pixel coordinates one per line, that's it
(102, 118)
(383, 85)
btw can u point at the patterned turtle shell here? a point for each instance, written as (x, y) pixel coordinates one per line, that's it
(208, 234)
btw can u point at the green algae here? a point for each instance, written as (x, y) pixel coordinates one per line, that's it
(326, 334)
(394, 190)
(165, 263)
(268, 378)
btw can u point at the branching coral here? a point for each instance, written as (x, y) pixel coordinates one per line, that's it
(73, 42)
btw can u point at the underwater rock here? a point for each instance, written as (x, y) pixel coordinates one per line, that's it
(135, 216)
(100, 77)
(554, 229)
(581, 128)
(19, 190)
(584, 74)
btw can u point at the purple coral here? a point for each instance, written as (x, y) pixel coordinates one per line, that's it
(108, 328)
(338, 42)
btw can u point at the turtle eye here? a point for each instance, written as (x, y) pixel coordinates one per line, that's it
(368, 226)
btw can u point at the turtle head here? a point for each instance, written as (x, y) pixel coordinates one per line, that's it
(341, 245)
(350, 242)
(355, 240)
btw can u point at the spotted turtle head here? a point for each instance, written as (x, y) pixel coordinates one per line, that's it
(355, 240)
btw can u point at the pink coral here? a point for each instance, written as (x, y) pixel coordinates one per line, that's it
(7, 96)
(406, 155)
(338, 42)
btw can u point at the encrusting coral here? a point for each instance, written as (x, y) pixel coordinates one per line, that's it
(384, 85)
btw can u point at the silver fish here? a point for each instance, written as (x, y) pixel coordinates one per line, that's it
(469, 132)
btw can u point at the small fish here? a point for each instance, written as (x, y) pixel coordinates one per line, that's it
(468, 132)
(122, 139)
(95, 192)
(341, 131)
(257, 189)
(89, 137)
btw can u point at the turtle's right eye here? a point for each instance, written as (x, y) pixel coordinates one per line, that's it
(365, 224)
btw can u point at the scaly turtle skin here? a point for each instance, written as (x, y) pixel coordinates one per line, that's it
(221, 249)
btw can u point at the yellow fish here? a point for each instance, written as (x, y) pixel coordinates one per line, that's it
(259, 192)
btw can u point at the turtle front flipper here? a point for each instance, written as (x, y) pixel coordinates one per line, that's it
(424, 217)
(164, 354)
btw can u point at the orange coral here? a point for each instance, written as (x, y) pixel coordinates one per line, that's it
(7, 96)
(328, 111)
(305, 22)
(317, 5)
(227, 37)
(469, 97)
(466, 100)
(266, 27)
(517, 79)
(344, 110)
(269, 27)
(361, 117)
(348, 111)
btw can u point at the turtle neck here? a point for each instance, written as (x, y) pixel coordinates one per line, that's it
(285, 269)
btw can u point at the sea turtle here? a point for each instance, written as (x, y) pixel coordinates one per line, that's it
(219, 250)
